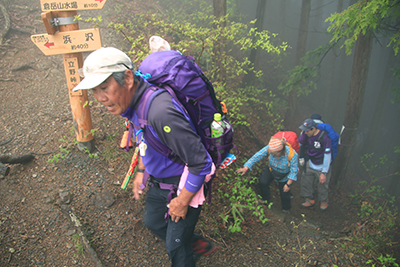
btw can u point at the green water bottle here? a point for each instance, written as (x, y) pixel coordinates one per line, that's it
(217, 128)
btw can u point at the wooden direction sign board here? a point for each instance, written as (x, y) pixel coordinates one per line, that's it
(68, 42)
(70, 5)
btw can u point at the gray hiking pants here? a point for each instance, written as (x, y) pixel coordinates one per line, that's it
(307, 184)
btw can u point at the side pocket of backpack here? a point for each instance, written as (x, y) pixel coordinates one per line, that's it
(220, 146)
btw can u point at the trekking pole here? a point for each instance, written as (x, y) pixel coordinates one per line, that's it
(134, 162)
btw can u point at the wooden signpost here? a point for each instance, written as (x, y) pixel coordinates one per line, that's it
(64, 37)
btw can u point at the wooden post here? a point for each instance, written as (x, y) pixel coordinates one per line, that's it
(78, 100)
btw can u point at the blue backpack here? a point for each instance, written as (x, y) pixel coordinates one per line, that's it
(333, 135)
(187, 84)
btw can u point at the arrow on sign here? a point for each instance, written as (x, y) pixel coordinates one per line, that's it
(68, 41)
(48, 44)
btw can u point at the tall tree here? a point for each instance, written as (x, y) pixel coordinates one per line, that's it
(356, 26)
(220, 44)
(254, 54)
(300, 53)
(328, 107)
(282, 18)
(375, 126)
(354, 104)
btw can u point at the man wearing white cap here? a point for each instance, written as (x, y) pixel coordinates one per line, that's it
(109, 73)
(281, 168)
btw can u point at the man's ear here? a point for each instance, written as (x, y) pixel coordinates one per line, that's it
(129, 79)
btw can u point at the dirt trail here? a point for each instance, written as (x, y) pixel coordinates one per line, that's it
(34, 230)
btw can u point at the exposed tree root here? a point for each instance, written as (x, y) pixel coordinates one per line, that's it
(84, 239)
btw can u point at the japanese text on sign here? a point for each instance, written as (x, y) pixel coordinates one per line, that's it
(71, 72)
(60, 6)
(57, 5)
(68, 42)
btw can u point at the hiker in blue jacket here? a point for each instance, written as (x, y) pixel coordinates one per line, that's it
(281, 168)
(110, 75)
(319, 152)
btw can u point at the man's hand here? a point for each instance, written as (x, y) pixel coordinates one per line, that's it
(178, 206)
(322, 178)
(242, 170)
(136, 185)
(177, 209)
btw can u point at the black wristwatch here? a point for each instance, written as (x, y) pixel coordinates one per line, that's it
(288, 184)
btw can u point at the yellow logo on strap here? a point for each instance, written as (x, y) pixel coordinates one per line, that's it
(167, 129)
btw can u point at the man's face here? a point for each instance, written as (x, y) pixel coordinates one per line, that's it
(113, 96)
(311, 132)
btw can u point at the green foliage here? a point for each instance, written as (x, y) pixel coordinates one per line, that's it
(377, 213)
(78, 244)
(64, 150)
(302, 248)
(242, 199)
(300, 78)
(197, 34)
(360, 18)
(365, 16)
(67, 144)
(197, 37)
(385, 261)
(258, 104)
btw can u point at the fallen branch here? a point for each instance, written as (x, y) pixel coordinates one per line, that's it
(13, 159)
(4, 170)
(7, 21)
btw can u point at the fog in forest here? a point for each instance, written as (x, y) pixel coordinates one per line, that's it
(380, 137)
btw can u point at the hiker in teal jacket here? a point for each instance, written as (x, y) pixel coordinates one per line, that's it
(280, 169)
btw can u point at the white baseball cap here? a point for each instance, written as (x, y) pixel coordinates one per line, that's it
(100, 64)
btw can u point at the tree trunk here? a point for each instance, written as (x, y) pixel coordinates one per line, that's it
(380, 104)
(282, 19)
(331, 76)
(219, 45)
(300, 52)
(254, 54)
(354, 105)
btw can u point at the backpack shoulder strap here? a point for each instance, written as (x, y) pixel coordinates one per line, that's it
(321, 135)
(146, 99)
(291, 154)
(143, 110)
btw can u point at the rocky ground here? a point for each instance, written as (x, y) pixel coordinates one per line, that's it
(40, 199)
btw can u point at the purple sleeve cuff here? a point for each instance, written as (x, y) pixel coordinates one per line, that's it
(194, 182)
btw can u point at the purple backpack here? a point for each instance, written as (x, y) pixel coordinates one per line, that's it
(185, 81)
